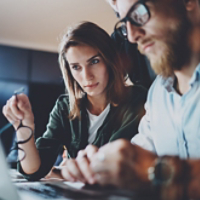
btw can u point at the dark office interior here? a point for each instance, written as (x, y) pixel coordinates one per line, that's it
(38, 72)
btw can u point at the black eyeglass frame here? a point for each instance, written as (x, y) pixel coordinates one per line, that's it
(8, 125)
(127, 18)
(16, 147)
(21, 125)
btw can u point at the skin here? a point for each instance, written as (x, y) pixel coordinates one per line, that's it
(162, 44)
(111, 170)
(120, 155)
(20, 109)
(154, 39)
(126, 165)
(89, 70)
(79, 169)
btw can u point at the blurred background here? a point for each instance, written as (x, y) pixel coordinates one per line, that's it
(30, 32)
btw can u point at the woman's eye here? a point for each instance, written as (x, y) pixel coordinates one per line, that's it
(75, 67)
(95, 61)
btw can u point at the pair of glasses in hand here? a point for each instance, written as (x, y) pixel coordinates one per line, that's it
(24, 134)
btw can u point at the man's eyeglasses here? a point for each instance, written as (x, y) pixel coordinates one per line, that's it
(138, 15)
(25, 133)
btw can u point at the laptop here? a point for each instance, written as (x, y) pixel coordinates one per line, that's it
(54, 190)
(51, 190)
(8, 191)
(24, 190)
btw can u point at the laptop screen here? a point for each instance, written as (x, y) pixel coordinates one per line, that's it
(7, 189)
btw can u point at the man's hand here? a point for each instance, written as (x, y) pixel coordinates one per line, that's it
(79, 169)
(122, 164)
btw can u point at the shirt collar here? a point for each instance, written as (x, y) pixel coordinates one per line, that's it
(168, 83)
(195, 75)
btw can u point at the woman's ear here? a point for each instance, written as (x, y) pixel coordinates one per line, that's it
(191, 4)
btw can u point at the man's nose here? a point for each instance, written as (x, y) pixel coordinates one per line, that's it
(135, 33)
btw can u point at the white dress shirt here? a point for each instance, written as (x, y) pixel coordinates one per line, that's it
(171, 125)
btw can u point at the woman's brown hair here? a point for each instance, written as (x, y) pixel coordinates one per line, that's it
(87, 33)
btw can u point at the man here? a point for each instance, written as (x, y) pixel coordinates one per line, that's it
(165, 31)
(136, 65)
(173, 54)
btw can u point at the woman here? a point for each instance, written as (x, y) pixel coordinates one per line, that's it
(98, 108)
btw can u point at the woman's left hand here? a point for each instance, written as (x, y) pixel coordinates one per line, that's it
(56, 171)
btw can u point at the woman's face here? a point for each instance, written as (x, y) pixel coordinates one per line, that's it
(88, 69)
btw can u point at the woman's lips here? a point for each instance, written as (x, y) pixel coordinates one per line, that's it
(91, 86)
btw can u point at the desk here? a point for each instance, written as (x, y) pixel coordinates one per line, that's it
(56, 189)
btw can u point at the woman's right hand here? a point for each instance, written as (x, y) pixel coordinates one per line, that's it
(19, 108)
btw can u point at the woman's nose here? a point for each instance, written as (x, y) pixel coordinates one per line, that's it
(88, 74)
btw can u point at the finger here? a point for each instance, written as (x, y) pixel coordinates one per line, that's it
(81, 153)
(14, 108)
(3, 110)
(23, 103)
(98, 166)
(23, 106)
(84, 166)
(91, 150)
(14, 121)
(104, 179)
(74, 170)
(63, 163)
(6, 109)
(8, 114)
(67, 175)
(102, 165)
(54, 174)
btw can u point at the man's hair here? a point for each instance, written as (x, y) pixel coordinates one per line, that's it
(87, 33)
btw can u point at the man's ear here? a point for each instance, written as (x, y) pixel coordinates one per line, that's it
(191, 4)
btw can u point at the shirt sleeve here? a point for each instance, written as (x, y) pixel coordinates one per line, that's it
(144, 137)
(49, 145)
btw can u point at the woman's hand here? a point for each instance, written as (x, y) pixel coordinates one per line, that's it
(19, 108)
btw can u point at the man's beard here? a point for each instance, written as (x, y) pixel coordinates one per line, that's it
(176, 51)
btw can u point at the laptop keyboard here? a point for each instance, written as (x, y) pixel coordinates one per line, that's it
(49, 191)
(42, 190)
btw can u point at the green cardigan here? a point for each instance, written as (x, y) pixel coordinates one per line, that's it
(121, 122)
